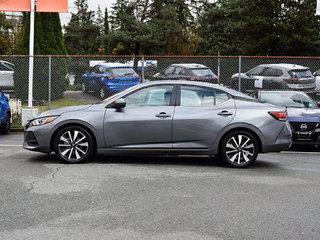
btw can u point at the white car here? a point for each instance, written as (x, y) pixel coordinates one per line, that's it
(6, 75)
(317, 76)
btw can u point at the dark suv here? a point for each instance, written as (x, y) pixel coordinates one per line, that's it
(275, 76)
(187, 71)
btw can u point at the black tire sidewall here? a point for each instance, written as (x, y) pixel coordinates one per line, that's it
(5, 126)
(222, 149)
(83, 131)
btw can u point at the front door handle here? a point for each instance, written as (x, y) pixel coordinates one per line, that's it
(225, 113)
(163, 115)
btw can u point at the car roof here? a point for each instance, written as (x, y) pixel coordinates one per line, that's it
(7, 62)
(114, 65)
(189, 65)
(287, 66)
(201, 84)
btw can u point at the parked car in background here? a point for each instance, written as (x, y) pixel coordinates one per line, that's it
(109, 78)
(303, 114)
(5, 114)
(187, 71)
(316, 74)
(163, 118)
(275, 76)
(6, 75)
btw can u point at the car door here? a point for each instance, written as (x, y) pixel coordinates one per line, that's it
(201, 113)
(145, 122)
(89, 77)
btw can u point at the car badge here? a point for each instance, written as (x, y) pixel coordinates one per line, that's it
(303, 126)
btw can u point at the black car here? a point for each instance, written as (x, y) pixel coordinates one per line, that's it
(187, 71)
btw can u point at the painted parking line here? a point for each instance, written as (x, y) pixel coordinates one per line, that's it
(294, 152)
(10, 145)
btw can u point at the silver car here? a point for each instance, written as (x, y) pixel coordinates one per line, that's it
(164, 118)
(6, 75)
(275, 76)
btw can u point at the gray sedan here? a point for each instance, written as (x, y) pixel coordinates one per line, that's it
(164, 118)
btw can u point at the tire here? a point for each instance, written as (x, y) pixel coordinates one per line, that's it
(5, 126)
(74, 144)
(84, 88)
(239, 149)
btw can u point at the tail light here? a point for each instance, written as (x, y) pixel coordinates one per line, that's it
(111, 77)
(193, 78)
(281, 116)
(136, 76)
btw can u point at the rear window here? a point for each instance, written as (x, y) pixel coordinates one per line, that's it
(122, 71)
(301, 73)
(201, 72)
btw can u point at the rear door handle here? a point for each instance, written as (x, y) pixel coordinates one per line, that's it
(225, 113)
(163, 115)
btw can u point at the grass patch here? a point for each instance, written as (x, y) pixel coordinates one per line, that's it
(75, 87)
(63, 102)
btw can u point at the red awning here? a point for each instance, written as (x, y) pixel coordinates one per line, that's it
(52, 5)
(15, 5)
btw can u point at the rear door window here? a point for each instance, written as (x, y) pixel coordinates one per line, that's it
(201, 72)
(272, 72)
(122, 71)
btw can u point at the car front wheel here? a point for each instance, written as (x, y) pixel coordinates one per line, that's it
(73, 144)
(239, 149)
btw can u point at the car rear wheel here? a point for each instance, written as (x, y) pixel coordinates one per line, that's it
(5, 126)
(74, 144)
(239, 149)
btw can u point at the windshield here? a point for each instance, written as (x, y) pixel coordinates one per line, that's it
(288, 99)
(122, 71)
(202, 72)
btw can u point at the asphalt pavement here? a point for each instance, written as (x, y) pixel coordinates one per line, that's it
(155, 198)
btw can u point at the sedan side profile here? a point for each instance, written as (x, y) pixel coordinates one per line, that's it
(164, 118)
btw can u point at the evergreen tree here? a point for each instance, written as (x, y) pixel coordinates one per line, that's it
(4, 34)
(261, 27)
(82, 34)
(48, 40)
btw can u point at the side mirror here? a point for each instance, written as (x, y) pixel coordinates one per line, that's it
(120, 103)
(318, 103)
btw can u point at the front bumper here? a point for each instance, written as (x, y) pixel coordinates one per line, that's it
(38, 138)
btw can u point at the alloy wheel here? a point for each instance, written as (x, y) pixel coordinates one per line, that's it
(73, 145)
(239, 149)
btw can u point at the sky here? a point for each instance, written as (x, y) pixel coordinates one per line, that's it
(92, 4)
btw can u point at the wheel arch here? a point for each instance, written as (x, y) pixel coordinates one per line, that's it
(253, 133)
(72, 125)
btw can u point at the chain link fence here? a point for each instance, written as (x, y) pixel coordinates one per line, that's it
(73, 80)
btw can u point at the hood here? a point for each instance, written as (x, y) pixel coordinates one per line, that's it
(59, 111)
(303, 115)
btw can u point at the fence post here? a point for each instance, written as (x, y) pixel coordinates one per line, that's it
(218, 68)
(239, 82)
(49, 96)
(142, 70)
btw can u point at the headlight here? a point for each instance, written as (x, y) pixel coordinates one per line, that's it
(41, 121)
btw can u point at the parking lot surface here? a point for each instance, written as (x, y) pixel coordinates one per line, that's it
(157, 197)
